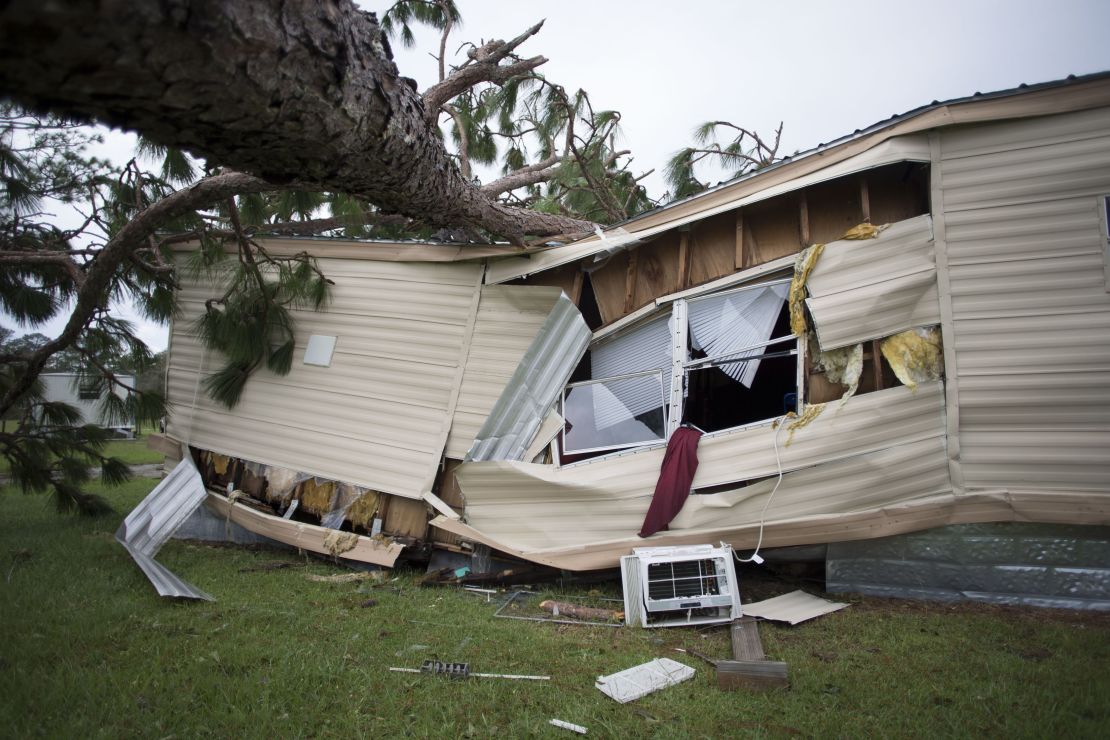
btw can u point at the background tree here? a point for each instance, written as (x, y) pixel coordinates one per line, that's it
(313, 131)
(744, 151)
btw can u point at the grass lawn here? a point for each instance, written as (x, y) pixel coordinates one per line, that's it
(131, 451)
(90, 650)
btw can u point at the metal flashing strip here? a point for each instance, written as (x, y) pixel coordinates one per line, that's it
(518, 414)
(154, 521)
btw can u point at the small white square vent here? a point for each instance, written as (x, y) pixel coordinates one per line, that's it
(319, 350)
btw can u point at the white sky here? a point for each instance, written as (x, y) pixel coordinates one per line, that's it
(823, 68)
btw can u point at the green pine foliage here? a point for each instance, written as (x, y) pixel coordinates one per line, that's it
(250, 324)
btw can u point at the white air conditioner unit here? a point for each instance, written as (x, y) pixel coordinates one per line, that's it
(675, 586)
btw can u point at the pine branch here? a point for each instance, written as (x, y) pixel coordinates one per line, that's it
(483, 65)
(90, 296)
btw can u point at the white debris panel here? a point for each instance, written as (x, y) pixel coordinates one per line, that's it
(794, 607)
(154, 521)
(639, 681)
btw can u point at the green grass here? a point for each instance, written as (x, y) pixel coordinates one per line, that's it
(90, 650)
(131, 451)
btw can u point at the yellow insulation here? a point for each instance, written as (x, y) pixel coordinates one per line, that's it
(843, 365)
(915, 356)
(862, 231)
(809, 413)
(317, 496)
(362, 511)
(338, 542)
(220, 464)
(803, 266)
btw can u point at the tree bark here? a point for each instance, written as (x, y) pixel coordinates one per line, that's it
(302, 93)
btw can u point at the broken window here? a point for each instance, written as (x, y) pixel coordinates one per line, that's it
(743, 362)
(613, 413)
(718, 362)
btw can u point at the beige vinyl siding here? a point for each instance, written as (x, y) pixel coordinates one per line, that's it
(536, 506)
(1030, 311)
(873, 288)
(509, 318)
(378, 416)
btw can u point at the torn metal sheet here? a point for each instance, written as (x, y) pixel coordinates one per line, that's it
(553, 423)
(794, 607)
(872, 288)
(639, 681)
(508, 319)
(535, 507)
(346, 545)
(539, 379)
(378, 416)
(154, 521)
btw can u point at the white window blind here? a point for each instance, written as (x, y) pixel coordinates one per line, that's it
(647, 347)
(598, 419)
(721, 325)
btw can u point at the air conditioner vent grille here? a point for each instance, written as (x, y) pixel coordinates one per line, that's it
(683, 579)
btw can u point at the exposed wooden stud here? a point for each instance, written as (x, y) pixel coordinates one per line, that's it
(751, 249)
(683, 259)
(803, 219)
(739, 239)
(864, 200)
(754, 675)
(746, 644)
(630, 283)
(576, 286)
(877, 364)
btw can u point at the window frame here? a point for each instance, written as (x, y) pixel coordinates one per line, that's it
(681, 365)
(597, 381)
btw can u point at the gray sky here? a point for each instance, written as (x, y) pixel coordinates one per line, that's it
(822, 68)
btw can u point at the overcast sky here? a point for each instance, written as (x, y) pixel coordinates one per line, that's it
(824, 69)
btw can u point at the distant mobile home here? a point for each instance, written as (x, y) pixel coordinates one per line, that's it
(67, 388)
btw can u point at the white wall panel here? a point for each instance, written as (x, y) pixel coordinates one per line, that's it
(378, 416)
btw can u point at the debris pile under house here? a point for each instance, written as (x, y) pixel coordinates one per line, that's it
(904, 330)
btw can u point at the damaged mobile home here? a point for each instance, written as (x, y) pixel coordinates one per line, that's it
(902, 330)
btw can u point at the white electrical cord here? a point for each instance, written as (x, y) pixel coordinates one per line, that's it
(763, 514)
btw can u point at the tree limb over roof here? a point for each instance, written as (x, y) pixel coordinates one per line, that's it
(303, 94)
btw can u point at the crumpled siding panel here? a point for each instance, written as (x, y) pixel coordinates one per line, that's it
(528, 396)
(873, 288)
(376, 417)
(509, 317)
(1031, 315)
(537, 506)
(153, 522)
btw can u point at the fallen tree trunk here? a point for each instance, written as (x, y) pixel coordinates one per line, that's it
(302, 93)
(564, 609)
